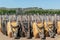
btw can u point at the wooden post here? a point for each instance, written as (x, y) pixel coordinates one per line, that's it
(23, 30)
(28, 24)
(55, 21)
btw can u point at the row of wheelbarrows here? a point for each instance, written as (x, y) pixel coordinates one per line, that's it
(37, 26)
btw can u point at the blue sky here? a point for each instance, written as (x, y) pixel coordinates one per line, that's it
(46, 4)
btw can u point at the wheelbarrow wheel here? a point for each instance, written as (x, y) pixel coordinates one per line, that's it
(3, 29)
(28, 35)
(51, 34)
(42, 35)
(15, 35)
(43, 39)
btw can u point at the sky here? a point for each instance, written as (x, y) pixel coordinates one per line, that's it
(46, 4)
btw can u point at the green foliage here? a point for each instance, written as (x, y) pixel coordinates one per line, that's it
(43, 12)
(30, 11)
(4, 11)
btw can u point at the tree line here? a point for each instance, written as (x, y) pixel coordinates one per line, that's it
(29, 11)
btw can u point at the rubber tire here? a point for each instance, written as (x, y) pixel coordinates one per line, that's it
(51, 35)
(28, 35)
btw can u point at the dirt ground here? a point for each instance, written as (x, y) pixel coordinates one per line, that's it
(3, 37)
